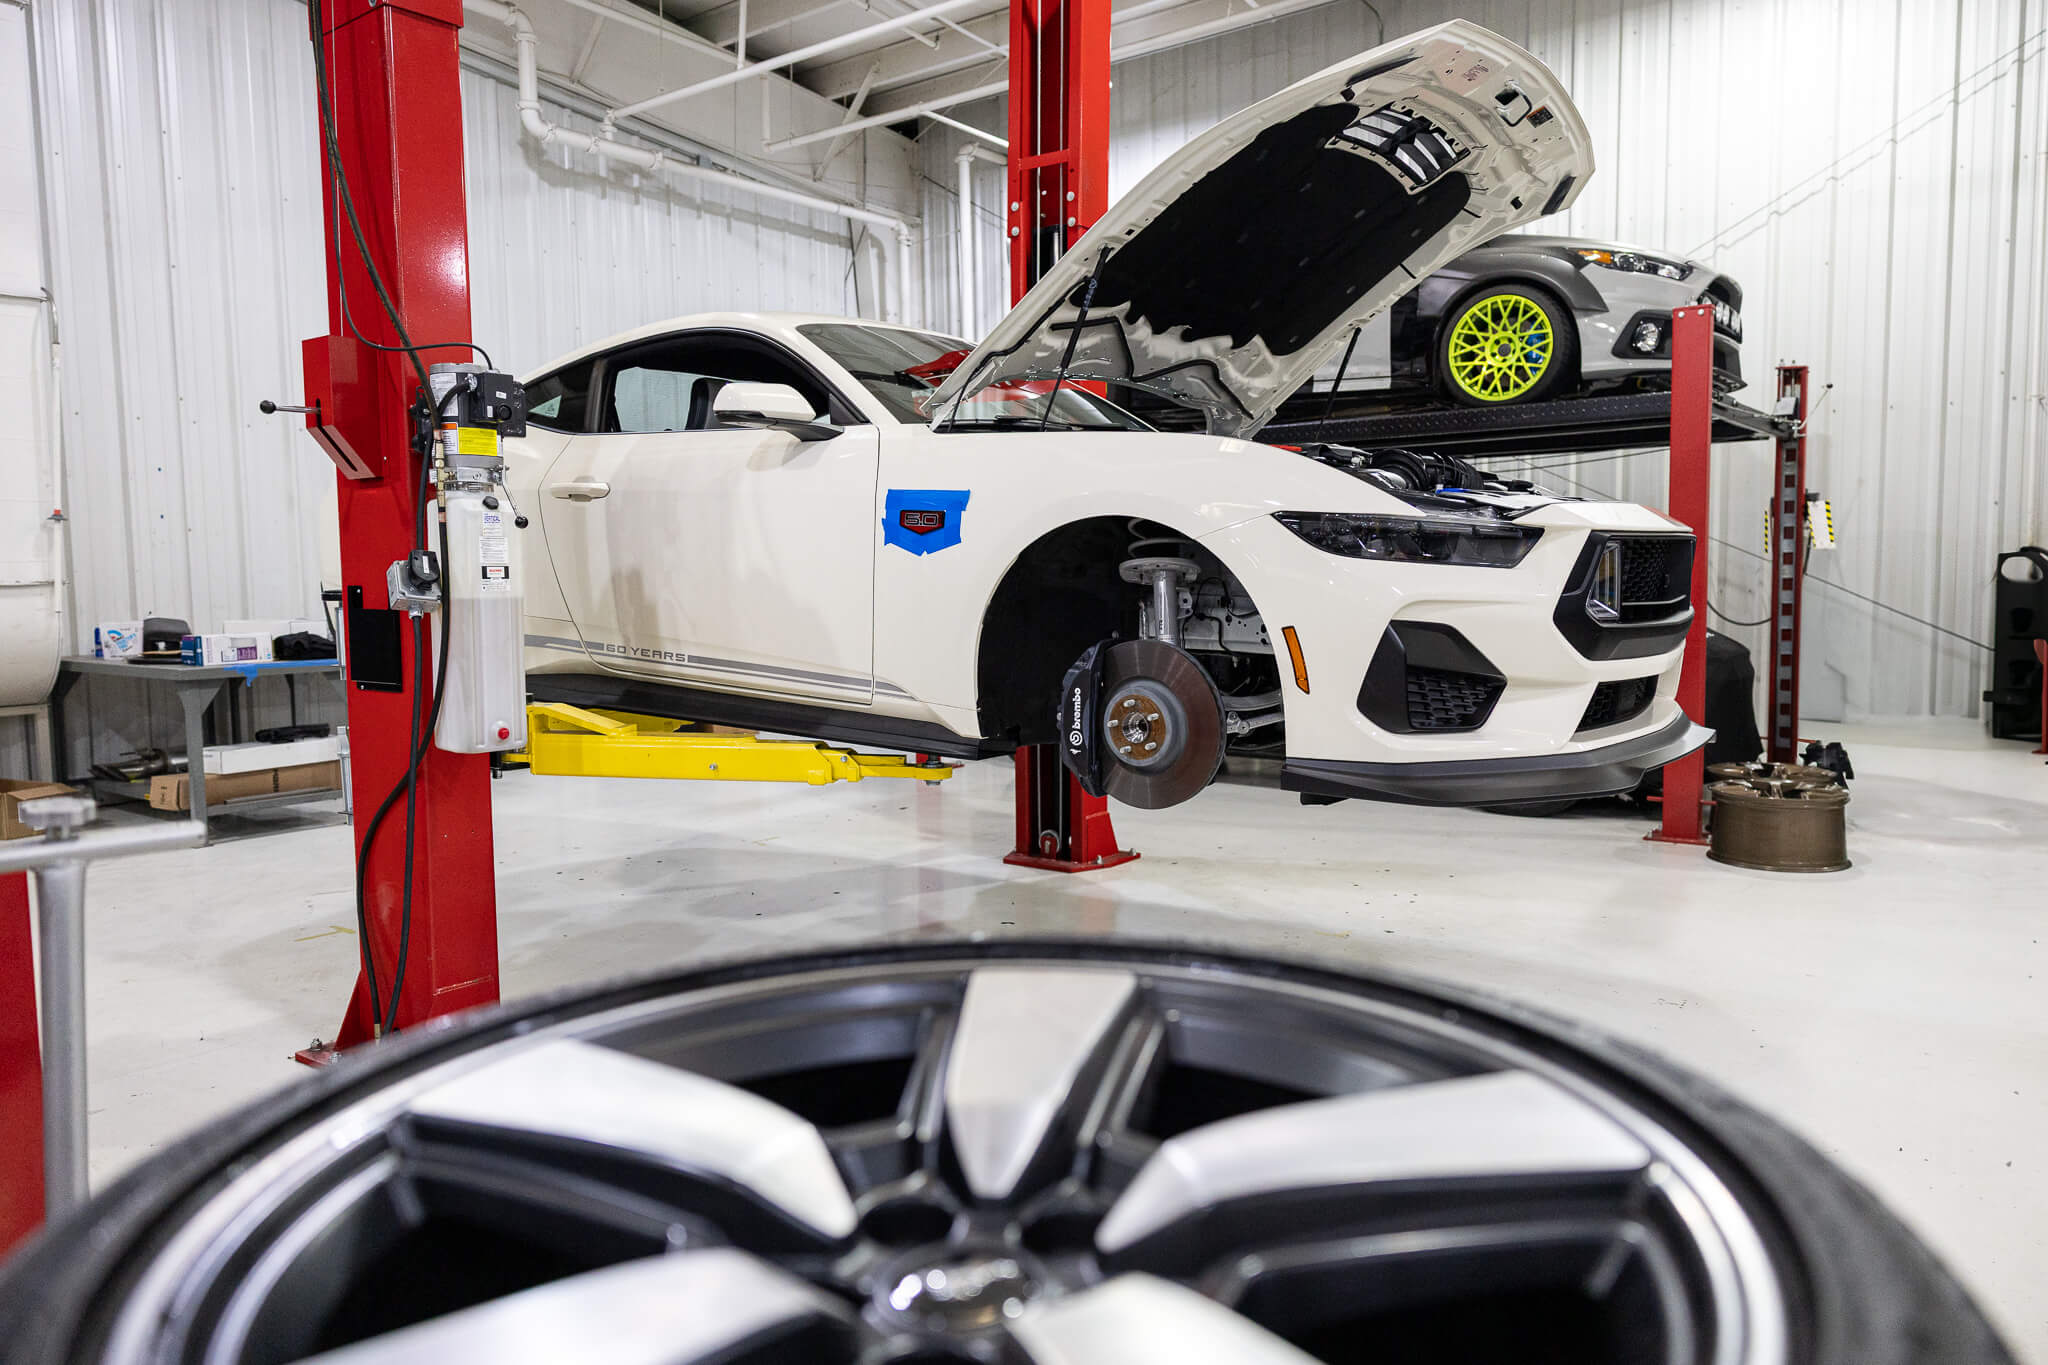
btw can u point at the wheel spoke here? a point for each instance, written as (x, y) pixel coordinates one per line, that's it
(716, 1305)
(1140, 1320)
(594, 1097)
(1024, 1042)
(1503, 1124)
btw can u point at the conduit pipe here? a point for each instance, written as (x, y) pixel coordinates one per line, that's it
(802, 54)
(607, 148)
(967, 261)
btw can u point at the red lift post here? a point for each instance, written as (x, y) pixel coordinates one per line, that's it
(21, 1071)
(1059, 185)
(1788, 547)
(1692, 436)
(398, 125)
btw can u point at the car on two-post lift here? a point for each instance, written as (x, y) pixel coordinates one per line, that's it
(840, 529)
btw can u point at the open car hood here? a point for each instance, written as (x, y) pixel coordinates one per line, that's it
(1234, 270)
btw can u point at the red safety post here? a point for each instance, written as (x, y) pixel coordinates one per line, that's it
(1692, 436)
(21, 1071)
(1059, 186)
(392, 71)
(1788, 548)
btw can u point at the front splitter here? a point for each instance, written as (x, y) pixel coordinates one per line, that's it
(1610, 770)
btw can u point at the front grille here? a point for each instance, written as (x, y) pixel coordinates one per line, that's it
(1615, 702)
(1726, 301)
(1655, 570)
(1443, 699)
(1629, 596)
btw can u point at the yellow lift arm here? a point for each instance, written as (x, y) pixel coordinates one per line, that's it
(569, 741)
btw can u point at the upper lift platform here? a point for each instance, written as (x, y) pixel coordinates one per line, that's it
(1567, 426)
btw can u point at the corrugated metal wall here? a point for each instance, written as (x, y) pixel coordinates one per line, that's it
(1875, 173)
(184, 195)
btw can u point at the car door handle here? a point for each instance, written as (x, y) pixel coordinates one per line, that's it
(579, 490)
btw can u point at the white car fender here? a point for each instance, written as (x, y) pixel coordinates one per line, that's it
(933, 590)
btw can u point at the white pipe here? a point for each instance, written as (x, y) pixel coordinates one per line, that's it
(965, 257)
(984, 134)
(608, 149)
(802, 54)
(979, 92)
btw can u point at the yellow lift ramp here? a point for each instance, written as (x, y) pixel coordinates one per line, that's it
(569, 741)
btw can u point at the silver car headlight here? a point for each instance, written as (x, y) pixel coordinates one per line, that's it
(1634, 262)
(1474, 541)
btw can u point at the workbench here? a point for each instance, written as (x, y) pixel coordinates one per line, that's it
(199, 688)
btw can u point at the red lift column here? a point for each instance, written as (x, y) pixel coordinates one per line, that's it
(1059, 186)
(21, 1071)
(398, 123)
(1788, 544)
(1692, 436)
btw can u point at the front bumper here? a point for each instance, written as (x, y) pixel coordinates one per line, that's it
(1611, 770)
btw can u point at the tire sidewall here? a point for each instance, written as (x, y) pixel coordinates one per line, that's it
(1860, 1288)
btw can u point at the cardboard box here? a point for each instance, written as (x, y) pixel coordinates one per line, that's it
(247, 758)
(14, 791)
(227, 649)
(173, 791)
(272, 627)
(117, 640)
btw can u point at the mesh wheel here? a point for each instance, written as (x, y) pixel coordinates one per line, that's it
(1506, 344)
(1010, 1153)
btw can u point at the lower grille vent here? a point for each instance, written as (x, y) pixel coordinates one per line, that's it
(1615, 702)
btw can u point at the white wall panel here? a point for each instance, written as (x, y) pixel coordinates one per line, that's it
(183, 190)
(1875, 174)
(185, 199)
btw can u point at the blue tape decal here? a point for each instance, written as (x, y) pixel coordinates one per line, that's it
(923, 520)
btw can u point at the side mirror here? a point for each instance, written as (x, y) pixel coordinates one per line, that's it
(775, 407)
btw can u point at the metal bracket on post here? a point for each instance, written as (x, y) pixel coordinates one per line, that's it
(1692, 434)
(57, 862)
(1788, 546)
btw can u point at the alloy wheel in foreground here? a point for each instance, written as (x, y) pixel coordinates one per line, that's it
(1014, 1154)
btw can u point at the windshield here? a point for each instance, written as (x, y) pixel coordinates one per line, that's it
(904, 368)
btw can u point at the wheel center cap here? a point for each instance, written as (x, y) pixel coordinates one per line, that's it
(964, 1292)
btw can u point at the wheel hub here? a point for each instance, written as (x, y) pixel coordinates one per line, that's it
(958, 1291)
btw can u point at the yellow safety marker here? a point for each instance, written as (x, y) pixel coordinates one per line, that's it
(569, 741)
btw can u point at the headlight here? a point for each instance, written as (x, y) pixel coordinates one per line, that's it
(1414, 540)
(1634, 263)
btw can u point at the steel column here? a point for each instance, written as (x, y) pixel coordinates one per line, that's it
(1059, 185)
(21, 1071)
(1692, 433)
(1059, 130)
(398, 122)
(1788, 546)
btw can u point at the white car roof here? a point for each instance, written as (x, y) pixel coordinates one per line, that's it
(782, 326)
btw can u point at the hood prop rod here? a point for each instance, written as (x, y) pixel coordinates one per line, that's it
(1073, 337)
(1330, 403)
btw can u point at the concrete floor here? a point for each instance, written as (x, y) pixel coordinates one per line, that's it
(1892, 1012)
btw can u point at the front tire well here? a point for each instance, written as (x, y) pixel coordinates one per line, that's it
(1059, 596)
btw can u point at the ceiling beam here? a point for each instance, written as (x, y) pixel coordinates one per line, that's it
(911, 76)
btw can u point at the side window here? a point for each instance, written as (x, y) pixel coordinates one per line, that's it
(561, 401)
(669, 385)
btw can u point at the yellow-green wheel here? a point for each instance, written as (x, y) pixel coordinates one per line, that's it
(1505, 345)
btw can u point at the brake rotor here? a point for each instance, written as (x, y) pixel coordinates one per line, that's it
(1162, 725)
